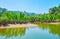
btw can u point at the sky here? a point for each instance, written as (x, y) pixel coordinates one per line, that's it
(36, 6)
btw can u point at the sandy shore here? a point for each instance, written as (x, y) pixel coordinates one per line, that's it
(54, 23)
(19, 26)
(24, 25)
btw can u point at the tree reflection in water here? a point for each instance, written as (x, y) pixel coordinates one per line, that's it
(53, 28)
(12, 32)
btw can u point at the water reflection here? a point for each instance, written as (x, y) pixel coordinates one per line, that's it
(53, 28)
(12, 32)
(40, 32)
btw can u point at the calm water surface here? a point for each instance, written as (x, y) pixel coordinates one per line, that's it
(42, 31)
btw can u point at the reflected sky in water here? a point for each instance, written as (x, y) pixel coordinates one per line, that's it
(42, 31)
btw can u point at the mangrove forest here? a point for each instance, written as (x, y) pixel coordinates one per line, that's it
(15, 17)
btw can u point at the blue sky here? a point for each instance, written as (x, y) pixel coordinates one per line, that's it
(37, 6)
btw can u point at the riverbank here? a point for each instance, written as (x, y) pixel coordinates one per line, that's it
(18, 26)
(54, 23)
(26, 25)
(46, 22)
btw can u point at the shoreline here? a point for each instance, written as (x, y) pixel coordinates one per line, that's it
(25, 25)
(54, 23)
(18, 26)
(48, 22)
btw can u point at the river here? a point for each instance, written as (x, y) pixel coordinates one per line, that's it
(42, 31)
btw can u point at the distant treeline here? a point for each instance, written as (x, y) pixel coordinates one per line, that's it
(24, 17)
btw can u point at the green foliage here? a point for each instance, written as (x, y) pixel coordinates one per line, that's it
(54, 14)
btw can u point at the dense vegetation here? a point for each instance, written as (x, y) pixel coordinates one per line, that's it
(24, 17)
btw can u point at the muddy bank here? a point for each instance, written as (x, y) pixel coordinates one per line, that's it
(54, 23)
(18, 26)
